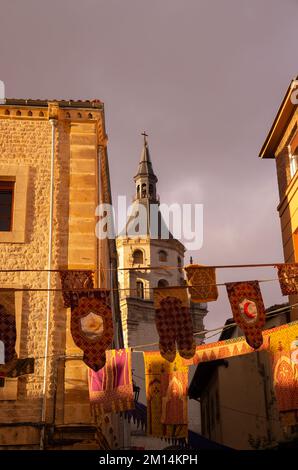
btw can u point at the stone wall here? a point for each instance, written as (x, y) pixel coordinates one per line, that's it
(25, 148)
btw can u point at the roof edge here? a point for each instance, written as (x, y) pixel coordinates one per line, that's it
(62, 103)
(280, 122)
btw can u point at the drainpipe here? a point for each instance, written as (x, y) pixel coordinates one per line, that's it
(49, 296)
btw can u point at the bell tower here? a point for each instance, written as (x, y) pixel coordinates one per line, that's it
(137, 253)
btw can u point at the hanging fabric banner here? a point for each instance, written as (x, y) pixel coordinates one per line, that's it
(173, 322)
(225, 349)
(282, 343)
(17, 367)
(111, 388)
(166, 392)
(283, 347)
(202, 282)
(11, 367)
(8, 324)
(72, 280)
(288, 278)
(92, 325)
(248, 310)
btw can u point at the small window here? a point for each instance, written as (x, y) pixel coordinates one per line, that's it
(162, 283)
(295, 239)
(2, 352)
(163, 256)
(138, 257)
(179, 262)
(293, 161)
(6, 205)
(144, 194)
(140, 289)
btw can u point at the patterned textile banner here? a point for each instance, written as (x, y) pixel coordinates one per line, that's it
(166, 392)
(71, 280)
(204, 280)
(288, 278)
(248, 310)
(111, 388)
(8, 324)
(282, 343)
(284, 353)
(173, 322)
(92, 326)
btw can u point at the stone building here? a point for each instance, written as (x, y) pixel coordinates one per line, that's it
(52, 155)
(149, 247)
(281, 144)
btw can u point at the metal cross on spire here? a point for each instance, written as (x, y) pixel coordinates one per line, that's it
(145, 135)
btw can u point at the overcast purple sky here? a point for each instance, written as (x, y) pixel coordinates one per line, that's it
(204, 78)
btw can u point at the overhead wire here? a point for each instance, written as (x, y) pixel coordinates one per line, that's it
(140, 268)
(131, 289)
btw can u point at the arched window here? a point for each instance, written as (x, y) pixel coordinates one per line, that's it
(179, 262)
(163, 256)
(162, 283)
(138, 191)
(140, 289)
(138, 257)
(144, 190)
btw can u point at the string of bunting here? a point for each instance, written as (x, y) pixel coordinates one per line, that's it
(166, 382)
(91, 314)
(217, 330)
(166, 372)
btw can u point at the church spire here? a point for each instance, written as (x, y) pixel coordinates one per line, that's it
(145, 178)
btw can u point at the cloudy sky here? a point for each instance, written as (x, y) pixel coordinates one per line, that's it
(204, 78)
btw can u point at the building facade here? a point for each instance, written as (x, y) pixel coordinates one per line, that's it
(281, 144)
(238, 404)
(51, 153)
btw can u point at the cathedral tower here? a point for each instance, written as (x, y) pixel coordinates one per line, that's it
(143, 248)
